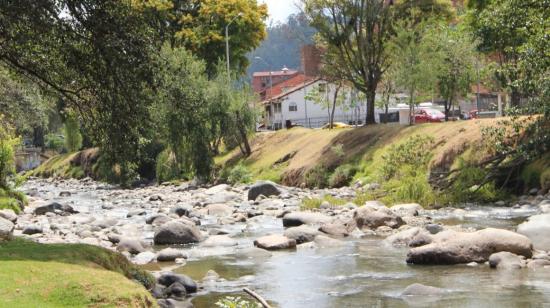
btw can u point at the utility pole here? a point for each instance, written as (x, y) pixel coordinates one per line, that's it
(227, 45)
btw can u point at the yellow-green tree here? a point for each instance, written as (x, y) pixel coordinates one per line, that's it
(199, 26)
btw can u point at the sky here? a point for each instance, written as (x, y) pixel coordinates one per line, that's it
(280, 9)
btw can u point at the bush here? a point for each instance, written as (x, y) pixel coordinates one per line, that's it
(13, 200)
(470, 185)
(73, 137)
(545, 179)
(167, 167)
(414, 152)
(239, 174)
(342, 176)
(54, 142)
(316, 177)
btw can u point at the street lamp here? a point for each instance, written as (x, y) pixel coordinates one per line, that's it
(270, 75)
(227, 43)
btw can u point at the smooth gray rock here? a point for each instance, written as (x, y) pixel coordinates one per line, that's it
(339, 228)
(54, 207)
(9, 215)
(175, 232)
(375, 216)
(219, 210)
(449, 247)
(168, 278)
(176, 291)
(170, 255)
(537, 228)
(145, 257)
(32, 229)
(275, 242)
(506, 260)
(301, 234)
(130, 245)
(408, 209)
(6, 229)
(265, 188)
(295, 219)
(219, 241)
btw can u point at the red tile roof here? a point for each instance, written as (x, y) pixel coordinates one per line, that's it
(274, 73)
(286, 85)
(300, 85)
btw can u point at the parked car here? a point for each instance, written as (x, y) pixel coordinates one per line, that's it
(427, 115)
(337, 125)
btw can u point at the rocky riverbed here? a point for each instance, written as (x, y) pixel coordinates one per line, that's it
(204, 243)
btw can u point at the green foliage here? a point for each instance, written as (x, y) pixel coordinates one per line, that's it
(54, 142)
(316, 177)
(73, 137)
(167, 167)
(413, 153)
(236, 302)
(342, 176)
(314, 203)
(239, 174)
(471, 184)
(7, 153)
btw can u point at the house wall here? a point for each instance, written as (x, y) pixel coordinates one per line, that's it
(310, 114)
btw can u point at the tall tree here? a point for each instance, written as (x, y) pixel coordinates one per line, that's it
(354, 32)
(454, 59)
(96, 55)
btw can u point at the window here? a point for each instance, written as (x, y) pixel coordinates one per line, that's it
(292, 106)
(276, 108)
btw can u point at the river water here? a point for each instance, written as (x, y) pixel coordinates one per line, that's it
(362, 271)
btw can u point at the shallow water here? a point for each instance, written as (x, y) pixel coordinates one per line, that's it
(364, 272)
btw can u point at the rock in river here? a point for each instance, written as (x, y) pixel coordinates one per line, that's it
(506, 260)
(6, 228)
(170, 255)
(54, 207)
(417, 289)
(130, 245)
(175, 232)
(295, 219)
(374, 216)
(275, 242)
(302, 234)
(167, 279)
(537, 228)
(265, 188)
(219, 241)
(449, 247)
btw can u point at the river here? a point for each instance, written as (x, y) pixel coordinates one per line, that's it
(361, 270)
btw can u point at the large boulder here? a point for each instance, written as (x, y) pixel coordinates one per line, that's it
(275, 242)
(6, 228)
(170, 255)
(408, 236)
(339, 228)
(265, 188)
(295, 219)
(9, 215)
(176, 232)
(371, 216)
(301, 234)
(449, 247)
(130, 245)
(54, 207)
(32, 229)
(537, 228)
(409, 209)
(167, 279)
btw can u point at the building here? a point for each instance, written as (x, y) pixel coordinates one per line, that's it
(262, 82)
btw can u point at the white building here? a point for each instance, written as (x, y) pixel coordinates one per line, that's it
(292, 107)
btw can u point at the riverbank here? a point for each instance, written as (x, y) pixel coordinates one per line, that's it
(334, 255)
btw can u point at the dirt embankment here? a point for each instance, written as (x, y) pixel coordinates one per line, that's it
(291, 153)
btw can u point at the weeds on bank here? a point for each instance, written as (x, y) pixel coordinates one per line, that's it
(315, 203)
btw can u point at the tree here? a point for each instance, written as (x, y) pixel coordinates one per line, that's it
(411, 60)
(354, 35)
(73, 137)
(7, 159)
(454, 54)
(320, 94)
(503, 27)
(95, 55)
(199, 26)
(386, 89)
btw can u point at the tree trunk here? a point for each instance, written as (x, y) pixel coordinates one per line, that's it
(447, 108)
(334, 98)
(371, 95)
(386, 107)
(515, 97)
(244, 137)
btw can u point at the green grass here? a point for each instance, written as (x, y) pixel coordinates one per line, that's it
(55, 284)
(78, 254)
(315, 203)
(12, 199)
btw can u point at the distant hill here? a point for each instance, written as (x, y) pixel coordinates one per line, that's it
(282, 45)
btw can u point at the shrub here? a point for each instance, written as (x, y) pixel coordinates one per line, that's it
(236, 302)
(545, 179)
(239, 174)
(414, 152)
(470, 185)
(315, 203)
(316, 177)
(54, 142)
(167, 167)
(342, 176)
(73, 137)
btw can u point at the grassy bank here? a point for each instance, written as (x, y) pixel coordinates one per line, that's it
(69, 275)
